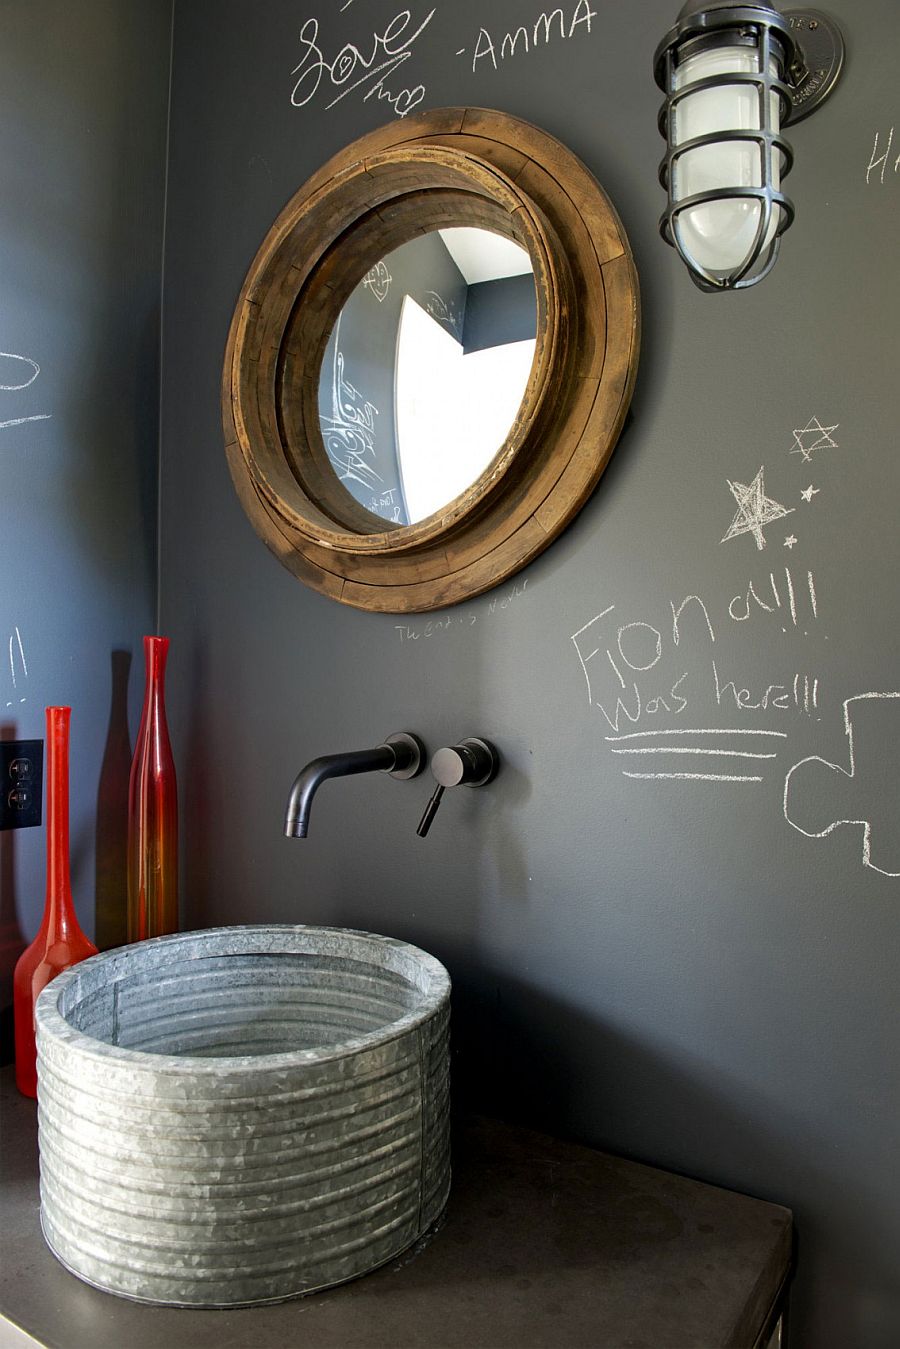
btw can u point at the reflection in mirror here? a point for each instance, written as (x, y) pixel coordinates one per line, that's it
(426, 368)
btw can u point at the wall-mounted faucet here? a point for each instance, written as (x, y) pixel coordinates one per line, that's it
(471, 763)
(402, 755)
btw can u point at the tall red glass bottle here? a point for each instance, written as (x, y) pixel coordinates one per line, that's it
(153, 811)
(60, 942)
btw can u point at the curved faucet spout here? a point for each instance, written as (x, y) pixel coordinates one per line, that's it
(401, 755)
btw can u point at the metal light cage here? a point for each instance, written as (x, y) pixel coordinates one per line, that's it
(753, 26)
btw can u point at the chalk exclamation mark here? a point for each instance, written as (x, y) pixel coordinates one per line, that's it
(812, 593)
(791, 599)
(775, 590)
(12, 662)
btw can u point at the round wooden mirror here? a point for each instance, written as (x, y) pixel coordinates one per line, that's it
(300, 428)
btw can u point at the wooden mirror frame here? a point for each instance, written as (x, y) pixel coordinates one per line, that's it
(445, 167)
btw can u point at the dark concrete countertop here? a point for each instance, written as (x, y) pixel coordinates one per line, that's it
(544, 1245)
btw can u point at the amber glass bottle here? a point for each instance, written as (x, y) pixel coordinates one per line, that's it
(153, 811)
(60, 942)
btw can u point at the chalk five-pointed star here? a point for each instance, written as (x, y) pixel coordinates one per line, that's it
(754, 510)
(813, 436)
(809, 492)
(790, 541)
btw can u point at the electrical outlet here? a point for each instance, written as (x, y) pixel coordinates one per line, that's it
(21, 783)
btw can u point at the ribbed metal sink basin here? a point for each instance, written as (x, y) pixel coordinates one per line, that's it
(242, 1115)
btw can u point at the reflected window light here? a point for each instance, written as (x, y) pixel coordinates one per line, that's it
(453, 411)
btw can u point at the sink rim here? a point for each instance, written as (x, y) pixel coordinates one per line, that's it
(435, 991)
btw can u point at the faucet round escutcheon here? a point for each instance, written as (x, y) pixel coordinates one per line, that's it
(410, 754)
(471, 763)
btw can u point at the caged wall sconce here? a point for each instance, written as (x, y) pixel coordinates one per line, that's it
(733, 74)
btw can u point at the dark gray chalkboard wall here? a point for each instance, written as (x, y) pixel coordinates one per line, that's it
(83, 102)
(664, 967)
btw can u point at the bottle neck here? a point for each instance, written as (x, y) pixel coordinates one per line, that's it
(156, 651)
(59, 891)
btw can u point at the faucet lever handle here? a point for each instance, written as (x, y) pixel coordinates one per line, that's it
(471, 763)
(430, 810)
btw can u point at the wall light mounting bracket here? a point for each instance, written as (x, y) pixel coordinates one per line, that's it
(818, 63)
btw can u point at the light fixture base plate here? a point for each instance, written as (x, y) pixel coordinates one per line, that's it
(822, 45)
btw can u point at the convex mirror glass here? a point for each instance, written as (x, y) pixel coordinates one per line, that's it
(426, 368)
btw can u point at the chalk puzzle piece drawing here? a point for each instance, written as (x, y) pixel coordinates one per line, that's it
(867, 793)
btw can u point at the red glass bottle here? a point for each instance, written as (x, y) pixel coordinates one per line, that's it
(60, 942)
(153, 811)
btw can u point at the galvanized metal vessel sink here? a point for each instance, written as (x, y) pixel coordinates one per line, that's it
(242, 1115)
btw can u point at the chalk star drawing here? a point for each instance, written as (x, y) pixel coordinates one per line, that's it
(813, 436)
(870, 798)
(754, 510)
(809, 493)
(790, 541)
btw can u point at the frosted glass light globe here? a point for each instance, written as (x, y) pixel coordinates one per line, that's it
(720, 235)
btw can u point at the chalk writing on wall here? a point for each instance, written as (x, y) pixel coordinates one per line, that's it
(755, 510)
(748, 603)
(858, 794)
(698, 751)
(20, 379)
(349, 431)
(18, 669)
(811, 437)
(434, 627)
(881, 165)
(378, 280)
(661, 686)
(387, 505)
(444, 312)
(365, 65)
(492, 49)
(628, 667)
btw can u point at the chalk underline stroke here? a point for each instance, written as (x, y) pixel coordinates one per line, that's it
(683, 749)
(20, 421)
(695, 777)
(687, 730)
